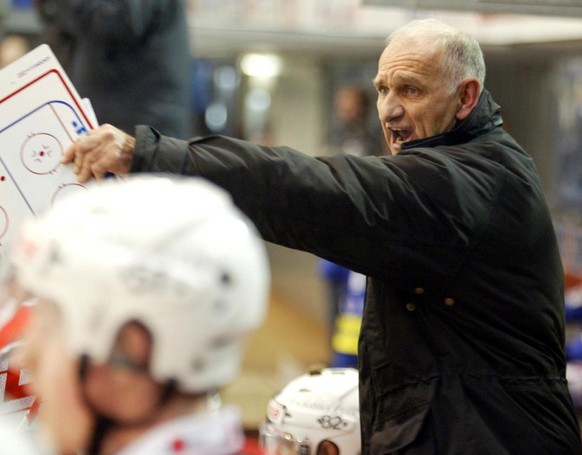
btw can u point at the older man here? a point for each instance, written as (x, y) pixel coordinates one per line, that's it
(461, 347)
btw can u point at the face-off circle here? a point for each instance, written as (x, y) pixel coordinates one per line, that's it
(66, 190)
(3, 222)
(41, 153)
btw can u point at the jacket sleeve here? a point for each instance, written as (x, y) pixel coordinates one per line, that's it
(388, 217)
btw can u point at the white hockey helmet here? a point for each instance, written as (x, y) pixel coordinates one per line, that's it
(173, 254)
(315, 414)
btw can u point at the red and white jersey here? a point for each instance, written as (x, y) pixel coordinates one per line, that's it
(17, 403)
(211, 433)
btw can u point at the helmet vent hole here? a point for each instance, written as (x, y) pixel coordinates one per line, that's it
(55, 255)
(219, 342)
(225, 279)
(197, 365)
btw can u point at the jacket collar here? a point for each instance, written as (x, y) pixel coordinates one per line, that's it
(485, 117)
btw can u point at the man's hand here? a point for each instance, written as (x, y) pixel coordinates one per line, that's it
(105, 149)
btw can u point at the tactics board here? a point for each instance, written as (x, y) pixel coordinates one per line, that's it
(41, 114)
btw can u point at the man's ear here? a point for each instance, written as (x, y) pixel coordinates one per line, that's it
(468, 97)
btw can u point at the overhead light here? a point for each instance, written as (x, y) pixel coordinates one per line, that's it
(261, 65)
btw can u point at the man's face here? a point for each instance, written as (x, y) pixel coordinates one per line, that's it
(414, 98)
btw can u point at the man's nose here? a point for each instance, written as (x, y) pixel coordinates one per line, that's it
(390, 108)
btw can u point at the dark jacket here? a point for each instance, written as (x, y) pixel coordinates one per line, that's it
(131, 58)
(461, 348)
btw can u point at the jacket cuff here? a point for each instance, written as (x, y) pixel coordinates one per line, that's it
(157, 153)
(146, 142)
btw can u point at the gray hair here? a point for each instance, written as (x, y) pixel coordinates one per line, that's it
(462, 56)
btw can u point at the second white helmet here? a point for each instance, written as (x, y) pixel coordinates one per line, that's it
(315, 414)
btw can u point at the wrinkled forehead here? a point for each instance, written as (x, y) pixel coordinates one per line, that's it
(419, 56)
(424, 47)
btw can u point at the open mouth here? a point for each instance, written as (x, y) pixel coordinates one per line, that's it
(400, 136)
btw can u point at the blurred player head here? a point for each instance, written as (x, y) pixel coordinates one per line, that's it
(146, 289)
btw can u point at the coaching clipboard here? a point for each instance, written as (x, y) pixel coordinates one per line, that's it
(41, 114)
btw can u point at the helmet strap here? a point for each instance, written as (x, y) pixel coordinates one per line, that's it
(102, 423)
(102, 426)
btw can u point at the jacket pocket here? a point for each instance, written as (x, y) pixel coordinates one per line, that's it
(399, 431)
(399, 409)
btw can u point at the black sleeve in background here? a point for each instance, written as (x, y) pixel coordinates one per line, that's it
(114, 20)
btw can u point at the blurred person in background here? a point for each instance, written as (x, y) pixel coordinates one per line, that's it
(335, 279)
(130, 58)
(462, 341)
(350, 133)
(348, 322)
(142, 311)
(12, 47)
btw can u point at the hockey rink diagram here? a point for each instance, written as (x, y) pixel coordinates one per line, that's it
(38, 122)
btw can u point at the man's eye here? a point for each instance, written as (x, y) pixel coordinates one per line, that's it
(382, 90)
(411, 90)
